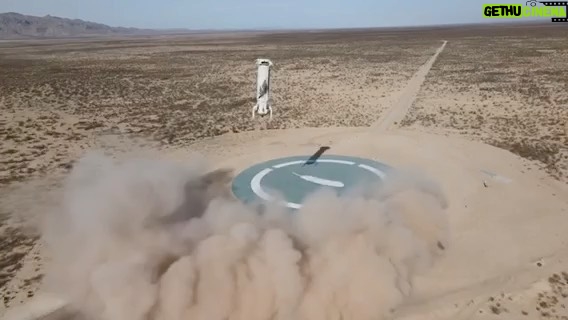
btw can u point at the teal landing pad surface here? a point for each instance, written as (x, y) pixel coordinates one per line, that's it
(295, 178)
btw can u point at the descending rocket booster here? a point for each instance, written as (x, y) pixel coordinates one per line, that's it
(263, 106)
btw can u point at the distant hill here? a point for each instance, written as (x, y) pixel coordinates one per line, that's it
(18, 26)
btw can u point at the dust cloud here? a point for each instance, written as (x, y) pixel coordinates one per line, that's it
(152, 239)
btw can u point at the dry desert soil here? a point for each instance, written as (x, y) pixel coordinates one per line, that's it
(504, 85)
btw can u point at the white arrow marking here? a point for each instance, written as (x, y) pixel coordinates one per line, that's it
(325, 182)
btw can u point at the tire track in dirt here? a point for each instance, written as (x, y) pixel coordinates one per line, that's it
(406, 98)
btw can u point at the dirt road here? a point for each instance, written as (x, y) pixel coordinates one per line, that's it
(406, 98)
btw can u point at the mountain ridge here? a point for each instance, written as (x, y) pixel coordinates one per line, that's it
(15, 25)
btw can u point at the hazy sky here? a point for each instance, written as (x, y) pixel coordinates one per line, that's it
(245, 14)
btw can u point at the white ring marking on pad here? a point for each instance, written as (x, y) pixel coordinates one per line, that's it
(336, 161)
(373, 170)
(255, 184)
(286, 164)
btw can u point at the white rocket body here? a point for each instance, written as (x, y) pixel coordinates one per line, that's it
(262, 106)
(263, 87)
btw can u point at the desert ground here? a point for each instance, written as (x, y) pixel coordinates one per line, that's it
(502, 86)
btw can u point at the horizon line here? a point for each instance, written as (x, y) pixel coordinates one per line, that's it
(268, 29)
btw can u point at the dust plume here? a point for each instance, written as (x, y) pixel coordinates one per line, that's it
(151, 239)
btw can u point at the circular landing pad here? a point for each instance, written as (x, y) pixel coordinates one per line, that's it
(294, 178)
